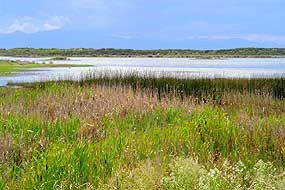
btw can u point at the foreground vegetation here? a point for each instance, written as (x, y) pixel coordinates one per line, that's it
(208, 54)
(125, 133)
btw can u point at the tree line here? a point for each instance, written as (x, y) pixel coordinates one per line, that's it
(110, 52)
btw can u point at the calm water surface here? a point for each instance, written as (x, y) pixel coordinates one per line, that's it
(177, 67)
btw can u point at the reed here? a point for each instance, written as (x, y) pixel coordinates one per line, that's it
(162, 84)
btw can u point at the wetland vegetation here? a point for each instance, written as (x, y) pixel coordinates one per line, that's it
(8, 68)
(142, 132)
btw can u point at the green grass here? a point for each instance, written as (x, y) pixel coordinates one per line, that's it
(99, 135)
(52, 154)
(11, 67)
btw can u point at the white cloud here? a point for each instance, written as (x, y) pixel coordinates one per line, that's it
(18, 26)
(33, 25)
(51, 27)
(260, 38)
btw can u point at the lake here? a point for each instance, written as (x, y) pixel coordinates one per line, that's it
(176, 67)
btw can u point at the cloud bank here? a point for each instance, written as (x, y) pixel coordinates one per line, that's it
(31, 25)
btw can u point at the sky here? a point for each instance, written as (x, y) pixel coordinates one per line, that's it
(142, 24)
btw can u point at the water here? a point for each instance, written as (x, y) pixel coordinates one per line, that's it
(177, 67)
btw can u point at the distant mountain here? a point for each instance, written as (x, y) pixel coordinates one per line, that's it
(75, 39)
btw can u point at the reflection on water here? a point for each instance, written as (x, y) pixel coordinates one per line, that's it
(177, 67)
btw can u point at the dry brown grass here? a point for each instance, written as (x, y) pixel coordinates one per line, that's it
(90, 103)
(6, 147)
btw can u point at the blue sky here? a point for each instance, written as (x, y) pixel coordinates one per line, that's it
(142, 24)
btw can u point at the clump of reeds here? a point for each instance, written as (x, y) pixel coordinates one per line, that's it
(162, 84)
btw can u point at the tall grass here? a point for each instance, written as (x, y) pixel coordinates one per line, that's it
(57, 155)
(125, 133)
(163, 84)
(197, 87)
